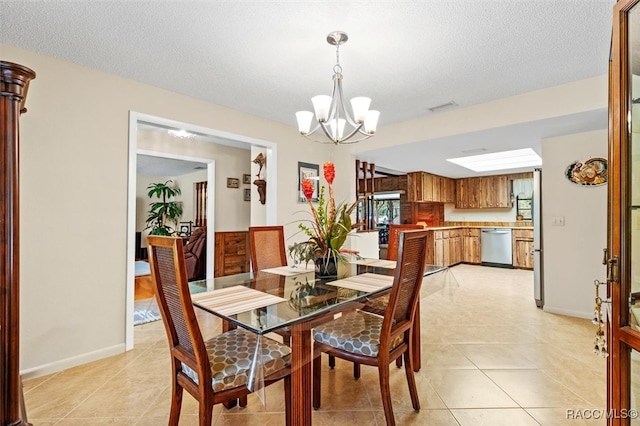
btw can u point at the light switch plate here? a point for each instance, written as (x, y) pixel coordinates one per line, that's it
(558, 221)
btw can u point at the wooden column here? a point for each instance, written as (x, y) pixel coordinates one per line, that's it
(14, 85)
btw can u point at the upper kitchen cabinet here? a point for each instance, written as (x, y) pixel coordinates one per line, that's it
(425, 187)
(483, 192)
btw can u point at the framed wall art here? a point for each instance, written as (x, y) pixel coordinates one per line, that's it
(247, 194)
(246, 179)
(308, 171)
(233, 183)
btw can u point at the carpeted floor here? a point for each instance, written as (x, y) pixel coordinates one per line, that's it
(146, 310)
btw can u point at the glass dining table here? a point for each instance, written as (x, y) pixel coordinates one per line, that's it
(295, 300)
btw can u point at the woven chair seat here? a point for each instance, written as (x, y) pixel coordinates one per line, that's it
(356, 332)
(231, 355)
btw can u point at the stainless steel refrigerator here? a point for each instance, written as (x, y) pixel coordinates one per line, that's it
(538, 264)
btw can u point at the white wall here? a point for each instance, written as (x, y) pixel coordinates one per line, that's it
(573, 252)
(73, 254)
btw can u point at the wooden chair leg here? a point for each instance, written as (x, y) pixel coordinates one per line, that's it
(399, 362)
(383, 372)
(205, 413)
(317, 382)
(332, 361)
(242, 401)
(356, 370)
(411, 380)
(287, 400)
(176, 404)
(230, 403)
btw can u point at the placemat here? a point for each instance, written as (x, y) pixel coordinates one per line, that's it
(364, 282)
(378, 263)
(233, 300)
(288, 271)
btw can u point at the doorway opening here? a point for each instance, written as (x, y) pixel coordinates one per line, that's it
(138, 121)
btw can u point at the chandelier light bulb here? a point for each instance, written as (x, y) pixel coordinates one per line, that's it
(360, 106)
(340, 128)
(304, 121)
(371, 122)
(321, 105)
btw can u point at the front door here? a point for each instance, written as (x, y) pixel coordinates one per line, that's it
(623, 240)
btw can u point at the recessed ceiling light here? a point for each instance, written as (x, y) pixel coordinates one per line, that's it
(499, 160)
(180, 133)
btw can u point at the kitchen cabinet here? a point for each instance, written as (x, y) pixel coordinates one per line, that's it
(425, 187)
(483, 192)
(447, 247)
(522, 247)
(455, 246)
(471, 245)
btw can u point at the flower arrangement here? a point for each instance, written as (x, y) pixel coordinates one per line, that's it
(328, 228)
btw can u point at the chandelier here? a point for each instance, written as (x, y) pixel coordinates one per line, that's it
(330, 111)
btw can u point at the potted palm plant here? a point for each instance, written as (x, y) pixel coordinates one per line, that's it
(163, 212)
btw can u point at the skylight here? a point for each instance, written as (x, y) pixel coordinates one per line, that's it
(499, 160)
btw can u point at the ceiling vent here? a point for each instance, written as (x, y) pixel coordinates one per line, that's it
(442, 107)
(474, 151)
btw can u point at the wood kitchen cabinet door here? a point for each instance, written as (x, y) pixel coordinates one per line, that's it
(455, 247)
(503, 192)
(474, 193)
(471, 246)
(462, 193)
(449, 190)
(522, 247)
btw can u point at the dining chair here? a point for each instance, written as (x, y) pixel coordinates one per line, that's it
(267, 247)
(212, 371)
(378, 305)
(365, 338)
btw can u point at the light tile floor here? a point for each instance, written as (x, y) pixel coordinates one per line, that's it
(489, 357)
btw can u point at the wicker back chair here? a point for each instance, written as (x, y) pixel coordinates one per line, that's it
(267, 247)
(369, 339)
(210, 383)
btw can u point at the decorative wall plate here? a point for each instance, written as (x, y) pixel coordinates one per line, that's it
(592, 172)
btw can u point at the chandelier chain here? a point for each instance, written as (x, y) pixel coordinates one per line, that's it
(337, 68)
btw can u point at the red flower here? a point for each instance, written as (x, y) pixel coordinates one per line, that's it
(329, 171)
(307, 188)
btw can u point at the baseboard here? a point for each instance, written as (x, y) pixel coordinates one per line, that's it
(577, 314)
(63, 364)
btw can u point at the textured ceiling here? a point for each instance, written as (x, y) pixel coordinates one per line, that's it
(269, 58)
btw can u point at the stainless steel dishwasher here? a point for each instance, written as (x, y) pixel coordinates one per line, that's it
(495, 247)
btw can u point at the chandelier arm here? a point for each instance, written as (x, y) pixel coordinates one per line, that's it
(347, 116)
(347, 142)
(353, 132)
(321, 141)
(323, 126)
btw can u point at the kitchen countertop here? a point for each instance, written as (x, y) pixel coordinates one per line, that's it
(445, 228)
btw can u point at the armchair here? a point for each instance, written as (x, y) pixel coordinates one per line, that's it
(195, 254)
